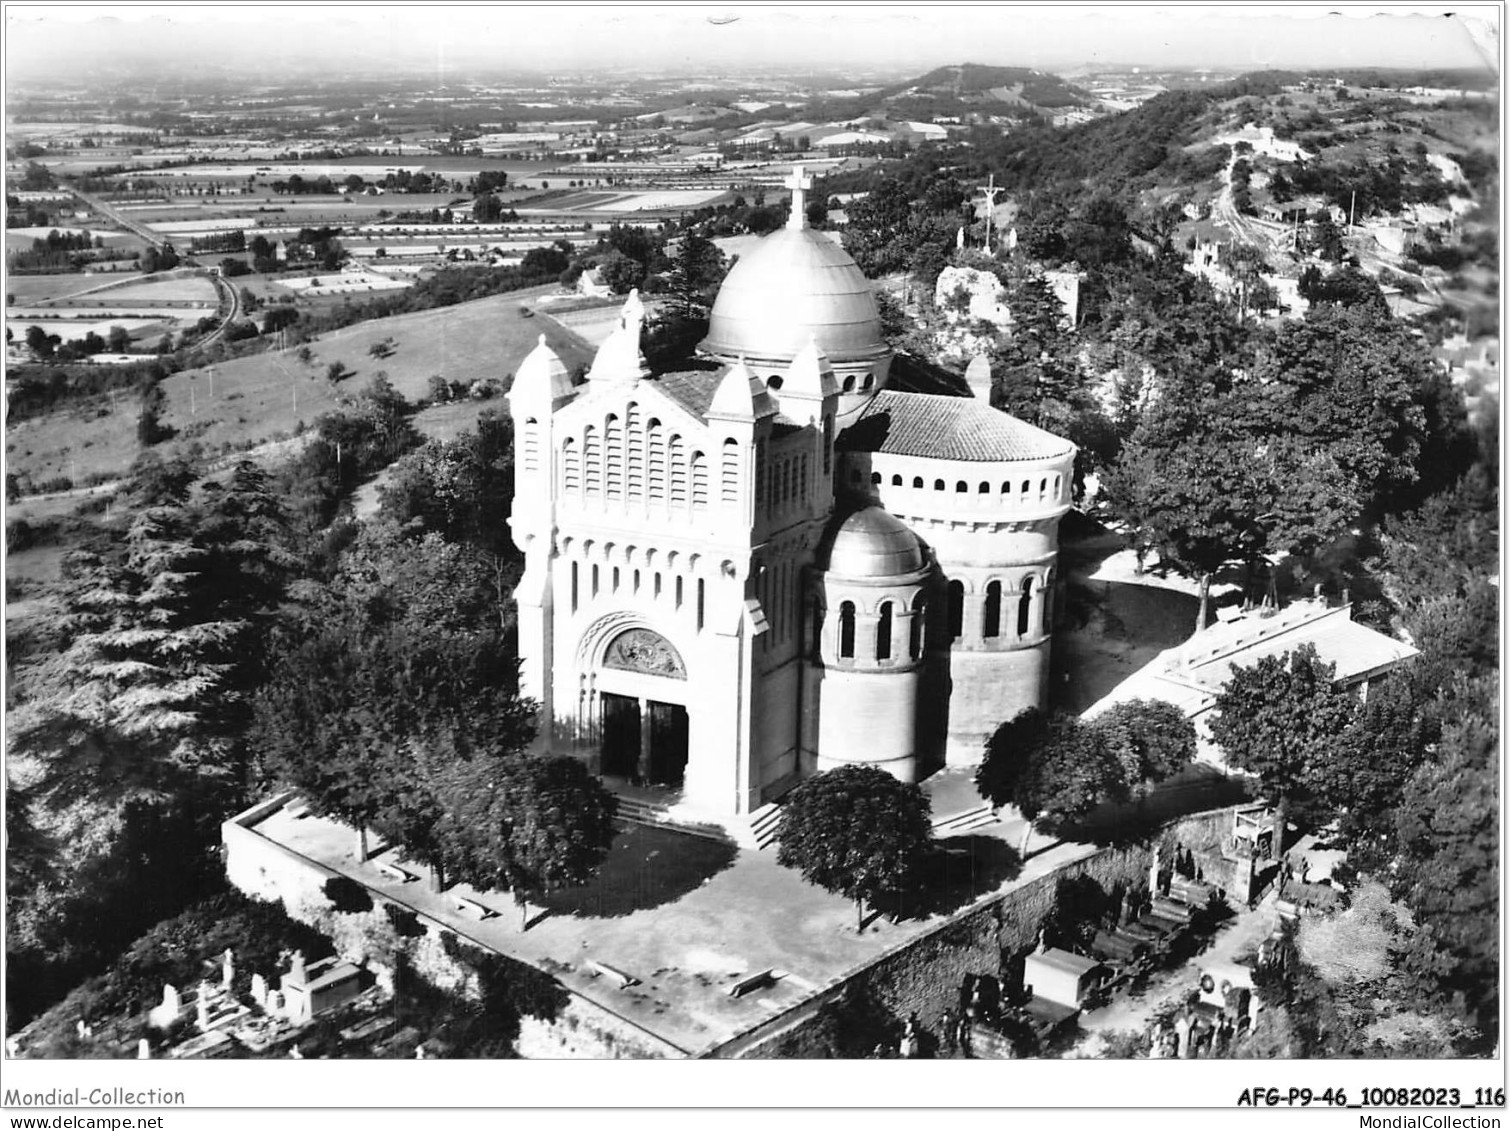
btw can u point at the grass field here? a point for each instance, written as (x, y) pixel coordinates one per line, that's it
(76, 330)
(20, 239)
(254, 397)
(192, 288)
(30, 289)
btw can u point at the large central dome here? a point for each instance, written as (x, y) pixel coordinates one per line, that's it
(797, 284)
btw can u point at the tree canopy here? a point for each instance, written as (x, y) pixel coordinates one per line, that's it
(1281, 719)
(856, 831)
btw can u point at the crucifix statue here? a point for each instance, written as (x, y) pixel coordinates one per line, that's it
(799, 183)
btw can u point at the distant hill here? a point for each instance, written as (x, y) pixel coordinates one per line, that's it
(973, 83)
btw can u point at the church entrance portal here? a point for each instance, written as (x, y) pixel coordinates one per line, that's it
(643, 740)
(642, 732)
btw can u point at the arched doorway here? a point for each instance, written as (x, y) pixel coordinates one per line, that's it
(642, 706)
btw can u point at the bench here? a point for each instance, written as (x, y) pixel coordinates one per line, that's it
(754, 982)
(393, 871)
(472, 907)
(613, 974)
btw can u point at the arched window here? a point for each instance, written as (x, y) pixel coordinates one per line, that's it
(847, 630)
(678, 591)
(613, 464)
(817, 626)
(574, 587)
(636, 581)
(870, 380)
(1006, 488)
(655, 441)
(896, 480)
(849, 384)
(774, 383)
(917, 482)
(594, 580)
(677, 456)
(883, 632)
(938, 485)
(699, 481)
(571, 465)
(1043, 488)
(1057, 487)
(634, 452)
(729, 475)
(915, 636)
(1026, 487)
(961, 487)
(592, 447)
(531, 444)
(1024, 606)
(701, 603)
(615, 579)
(1048, 602)
(875, 478)
(984, 489)
(956, 610)
(656, 591)
(991, 620)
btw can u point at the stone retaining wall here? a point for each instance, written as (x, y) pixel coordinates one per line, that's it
(926, 977)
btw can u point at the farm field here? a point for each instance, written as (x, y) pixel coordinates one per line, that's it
(30, 289)
(77, 329)
(20, 239)
(254, 397)
(181, 288)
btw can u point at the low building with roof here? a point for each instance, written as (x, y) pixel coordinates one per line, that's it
(777, 559)
(1193, 675)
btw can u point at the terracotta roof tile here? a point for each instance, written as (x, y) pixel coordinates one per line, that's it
(954, 428)
(692, 389)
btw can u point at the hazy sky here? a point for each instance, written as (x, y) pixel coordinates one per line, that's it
(72, 39)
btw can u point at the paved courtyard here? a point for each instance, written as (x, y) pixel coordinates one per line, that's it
(687, 941)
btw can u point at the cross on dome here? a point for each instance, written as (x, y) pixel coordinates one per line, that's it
(799, 182)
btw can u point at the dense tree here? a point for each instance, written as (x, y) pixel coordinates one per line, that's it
(1448, 867)
(1053, 768)
(697, 269)
(1363, 777)
(461, 489)
(1280, 720)
(856, 831)
(399, 661)
(1349, 381)
(527, 824)
(125, 743)
(622, 273)
(1150, 739)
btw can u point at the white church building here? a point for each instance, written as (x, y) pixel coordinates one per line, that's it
(775, 560)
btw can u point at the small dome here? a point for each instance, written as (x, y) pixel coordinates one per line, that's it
(794, 286)
(872, 543)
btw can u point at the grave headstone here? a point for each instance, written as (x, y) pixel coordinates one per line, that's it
(143, 1049)
(259, 990)
(227, 968)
